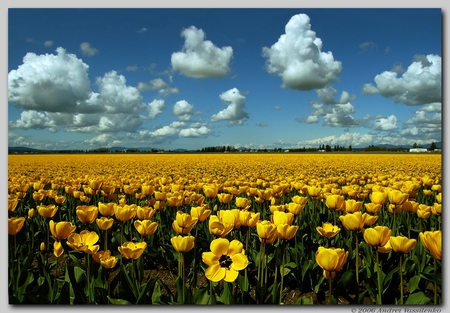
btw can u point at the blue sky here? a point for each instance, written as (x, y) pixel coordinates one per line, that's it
(193, 78)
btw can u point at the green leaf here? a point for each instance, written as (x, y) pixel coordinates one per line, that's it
(388, 278)
(417, 298)
(201, 296)
(305, 300)
(118, 301)
(149, 285)
(413, 283)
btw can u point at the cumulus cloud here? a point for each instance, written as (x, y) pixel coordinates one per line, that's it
(346, 139)
(52, 83)
(200, 58)
(195, 132)
(158, 84)
(86, 49)
(234, 113)
(297, 57)
(103, 140)
(155, 108)
(183, 110)
(48, 43)
(386, 124)
(326, 95)
(420, 84)
(367, 45)
(32, 120)
(54, 91)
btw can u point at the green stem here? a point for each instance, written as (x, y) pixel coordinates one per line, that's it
(357, 261)
(330, 289)
(401, 278)
(282, 270)
(106, 240)
(378, 278)
(435, 281)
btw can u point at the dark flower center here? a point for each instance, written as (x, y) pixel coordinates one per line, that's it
(225, 261)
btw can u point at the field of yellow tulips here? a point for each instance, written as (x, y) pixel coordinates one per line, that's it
(240, 228)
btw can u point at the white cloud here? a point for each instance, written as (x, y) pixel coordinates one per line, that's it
(32, 120)
(86, 49)
(52, 83)
(420, 84)
(385, 124)
(155, 108)
(193, 132)
(183, 110)
(297, 57)
(116, 96)
(158, 84)
(326, 95)
(353, 139)
(48, 43)
(234, 113)
(200, 58)
(104, 140)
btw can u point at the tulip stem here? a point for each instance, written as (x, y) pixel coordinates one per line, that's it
(357, 261)
(106, 240)
(435, 281)
(282, 269)
(330, 289)
(378, 278)
(401, 278)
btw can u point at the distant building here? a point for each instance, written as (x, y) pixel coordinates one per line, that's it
(418, 150)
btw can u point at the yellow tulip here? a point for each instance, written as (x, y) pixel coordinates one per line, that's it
(84, 241)
(386, 248)
(125, 212)
(12, 203)
(132, 250)
(295, 208)
(372, 207)
(61, 230)
(397, 197)
(221, 224)
(248, 219)
(331, 260)
(335, 202)
(378, 197)
(104, 223)
(87, 213)
(432, 241)
(352, 221)
(47, 211)
(58, 249)
(183, 223)
(183, 243)
(436, 209)
(352, 206)
(266, 231)
(402, 244)
(243, 203)
(328, 230)
(145, 227)
(224, 198)
(15, 224)
(286, 231)
(145, 212)
(201, 213)
(106, 209)
(280, 217)
(225, 260)
(377, 236)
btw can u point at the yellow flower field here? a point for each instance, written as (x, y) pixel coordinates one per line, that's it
(88, 228)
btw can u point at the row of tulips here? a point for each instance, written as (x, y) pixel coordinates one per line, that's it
(253, 242)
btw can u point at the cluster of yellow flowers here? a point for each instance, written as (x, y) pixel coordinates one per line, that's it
(109, 188)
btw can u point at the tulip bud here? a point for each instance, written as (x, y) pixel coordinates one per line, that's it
(43, 247)
(31, 213)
